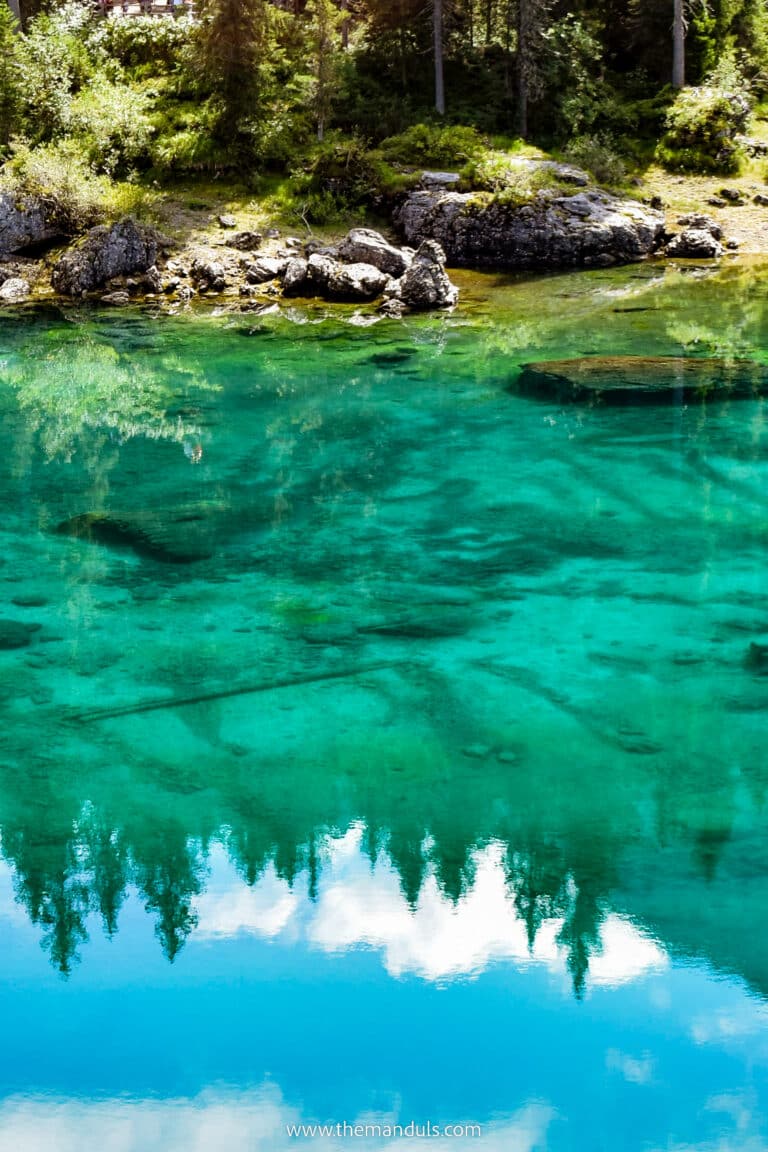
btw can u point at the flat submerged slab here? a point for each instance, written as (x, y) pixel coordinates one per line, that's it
(635, 380)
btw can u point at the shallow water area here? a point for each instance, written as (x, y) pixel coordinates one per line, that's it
(379, 746)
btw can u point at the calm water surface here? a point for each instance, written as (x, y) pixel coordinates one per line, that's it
(378, 746)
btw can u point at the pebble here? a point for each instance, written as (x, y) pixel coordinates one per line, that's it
(476, 751)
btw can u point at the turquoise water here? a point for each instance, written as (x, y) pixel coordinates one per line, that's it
(380, 746)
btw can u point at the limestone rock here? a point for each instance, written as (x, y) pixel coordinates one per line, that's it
(364, 246)
(695, 244)
(350, 282)
(227, 221)
(295, 276)
(209, 275)
(14, 289)
(549, 231)
(24, 224)
(702, 222)
(116, 299)
(426, 284)
(264, 268)
(106, 252)
(245, 241)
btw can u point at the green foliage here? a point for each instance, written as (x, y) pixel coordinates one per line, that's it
(701, 125)
(598, 155)
(10, 93)
(113, 125)
(506, 179)
(444, 145)
(342, 175)
(232, 42)
(143, 43)
(76, 197)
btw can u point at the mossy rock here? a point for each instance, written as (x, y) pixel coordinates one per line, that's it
(638, 380)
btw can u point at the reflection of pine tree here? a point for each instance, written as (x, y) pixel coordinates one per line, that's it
(170, 876)
(580, 934)
(537, 881)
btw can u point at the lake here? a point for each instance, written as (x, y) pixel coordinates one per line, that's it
(382, 748)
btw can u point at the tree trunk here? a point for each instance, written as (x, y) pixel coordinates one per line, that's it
(437, 14)
(344, 5)
(678, 46)
(15, 8)
(488, 20)
(522, 68)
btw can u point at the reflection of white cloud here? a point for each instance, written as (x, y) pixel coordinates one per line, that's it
(360, 904)
(634, 1070)
(741, 1019)
(743, 1131)
(265, 909)
(252, 1121)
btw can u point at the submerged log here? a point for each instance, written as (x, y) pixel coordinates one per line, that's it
(637, 380)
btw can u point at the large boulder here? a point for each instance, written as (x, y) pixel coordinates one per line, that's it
(263, 269)
(351, 282)
(125, 248)
(364, 246)
(695, 244)
(24, 224)
(426, 284)
(295, 277)
(548, 231)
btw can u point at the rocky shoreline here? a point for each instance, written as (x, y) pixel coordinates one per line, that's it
(114, 265)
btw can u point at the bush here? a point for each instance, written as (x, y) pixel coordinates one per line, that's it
(76, 197)
(143, 42)
(598, 156)
(701, 126)
(342, 175)
(512, 180)
(54, 63)
(10, 91)
(113, 124)
(449, 146)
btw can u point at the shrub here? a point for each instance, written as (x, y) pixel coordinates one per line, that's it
(598, 156)
(512, 180)
(10, 91)
(113, 124)
(701, 126)
(451, 146)
(76, 197)
(141, 42)
(342, 175)
(54, 63)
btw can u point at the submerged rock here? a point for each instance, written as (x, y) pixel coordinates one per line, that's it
(550, 230)
(636, 380)
(124, 248)
(170, 542)
(16, 634)
(757, 659)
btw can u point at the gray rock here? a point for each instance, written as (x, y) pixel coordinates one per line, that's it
(760, 199)
(732, 195)
(116, 299)
(245, 241)
(14, 289)
(549, 231)
(694, 244)
(272, 233)
(263, 269)
(702, 222)
(227, 221)
(209, 275)
(425, 284)
(24, 223)
(350, 282)
(185, 292)
(105, 252)
(295, 276)
(715, 202)
(364, 246)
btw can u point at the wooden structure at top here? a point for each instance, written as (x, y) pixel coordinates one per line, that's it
(147, 7)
